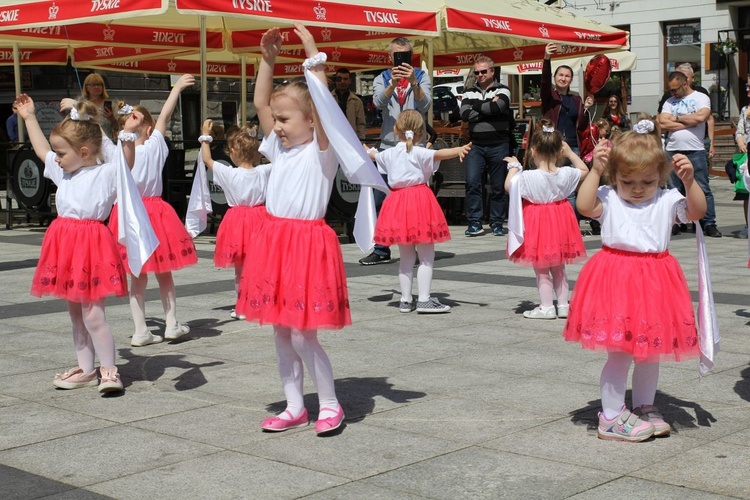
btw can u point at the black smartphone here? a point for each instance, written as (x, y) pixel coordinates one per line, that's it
(108, 105)
(400, 58)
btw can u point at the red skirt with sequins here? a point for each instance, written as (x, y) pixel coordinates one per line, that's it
(239, 227)
(637, 303)
(295, 277)
(79, 262)
(176, 249)
(551, 235)
(409, 216)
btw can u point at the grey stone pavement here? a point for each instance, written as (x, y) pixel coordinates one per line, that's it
(478, 403)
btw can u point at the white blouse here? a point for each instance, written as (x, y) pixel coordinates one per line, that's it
(539, 186)
(243, 187)
(87, 193)
(406, 169)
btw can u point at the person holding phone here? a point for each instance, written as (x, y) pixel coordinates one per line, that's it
(95, 91)
(397, 89)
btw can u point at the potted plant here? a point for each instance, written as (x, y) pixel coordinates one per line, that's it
(727, 47)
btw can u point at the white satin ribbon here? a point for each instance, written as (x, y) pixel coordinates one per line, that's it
(353, 160)
(134, 229)
(708, 326)
(199, 204)
(515, 216)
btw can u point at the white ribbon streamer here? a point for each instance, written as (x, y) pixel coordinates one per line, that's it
(708, 326)
(515, 216)
(199, 204)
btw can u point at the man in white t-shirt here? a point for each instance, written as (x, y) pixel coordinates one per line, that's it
(684, 118)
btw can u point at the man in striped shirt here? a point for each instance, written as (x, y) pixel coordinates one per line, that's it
(486, 108)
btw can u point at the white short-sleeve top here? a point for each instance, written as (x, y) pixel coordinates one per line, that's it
(539, 186)
(643, 227)
(404, 168)
(87, 193)
(150, 158)
(243, 187)
(301, 179)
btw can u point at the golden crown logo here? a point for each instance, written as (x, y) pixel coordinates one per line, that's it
(320, 12)
(326, 34)
(518, 54)
(335, 55)
(53, 10)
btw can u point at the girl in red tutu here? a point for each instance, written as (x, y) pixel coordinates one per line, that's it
(176, 249)
(79, 261)
(295, 277)
(410, 216)
(245, 190)
(631, 298)
(543, 229)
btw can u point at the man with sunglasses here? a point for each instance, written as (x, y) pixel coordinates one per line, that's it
(486, 108)
(684, 117)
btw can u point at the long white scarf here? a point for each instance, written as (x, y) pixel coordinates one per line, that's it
(199, 205)
(708, 326)
(353, 160)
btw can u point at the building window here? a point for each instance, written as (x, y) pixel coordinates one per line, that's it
(683, 44)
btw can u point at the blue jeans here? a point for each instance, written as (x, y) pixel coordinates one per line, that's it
(700, 173)
(476, 160)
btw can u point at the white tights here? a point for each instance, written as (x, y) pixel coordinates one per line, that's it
(614, 381)
(545, 285)
(293, 348)
(407, 258)
(138, 300)
(91, 334)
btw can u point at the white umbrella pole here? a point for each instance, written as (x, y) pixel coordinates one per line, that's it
(17, 78)
(204, 82)
(430, 64)
(243, 90)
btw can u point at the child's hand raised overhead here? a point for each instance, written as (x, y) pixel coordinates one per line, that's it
(25, 106)
(683, 168)
(601, 156)
(307, 39)
(206, 130)
(184, 82)
(270, 44)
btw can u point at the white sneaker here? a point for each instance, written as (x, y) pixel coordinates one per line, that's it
(541, 313)
(176, 331)
(562, 311)
(234, 315)
(148, 339)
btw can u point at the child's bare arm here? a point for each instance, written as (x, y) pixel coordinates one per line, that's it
(448, 153)
(311, 50)
(696, 200)
(514, 167)
(128, 147)
(587, 202)
(171, 103)
(25, 107)
(270, 45)
(206, 146)
(575, 160)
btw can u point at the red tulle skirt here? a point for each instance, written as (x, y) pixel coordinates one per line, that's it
(551, 235)
(176, 249)
(238, 228)
(637, 303)
(79, 262)
(295, 277)
(409, 216)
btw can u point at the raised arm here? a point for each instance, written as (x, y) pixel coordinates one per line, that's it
(182, 83)
(134, 122)
(26, 110)
(696, 200)
(311, 50)
(514, 166)
(205, 145)
(270, 45)
(575, 160)
(587, 202)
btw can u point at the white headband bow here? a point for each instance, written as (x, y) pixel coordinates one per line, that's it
(548, 129)
(126, 109)
(409, 134)
(644, 127)
(253, 132)
(79, 117)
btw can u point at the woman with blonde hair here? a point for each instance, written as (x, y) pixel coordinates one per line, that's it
(95, 92)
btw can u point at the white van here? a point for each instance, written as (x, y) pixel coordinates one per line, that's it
(456, 88)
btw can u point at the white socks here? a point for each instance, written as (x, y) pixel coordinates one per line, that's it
(293, 348)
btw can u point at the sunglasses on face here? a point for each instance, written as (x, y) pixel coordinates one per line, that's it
(674, 91)
(481, 72)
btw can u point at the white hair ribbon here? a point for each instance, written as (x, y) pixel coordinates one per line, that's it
(409, 134)
(643, 127)
(126, 109)
(548, 129)
(253, 132)
(79, 117)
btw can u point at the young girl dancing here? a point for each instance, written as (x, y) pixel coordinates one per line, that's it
(631, 298)
(544, 231)
(295, 280)
(411, 217)
(176, 249)
(79, 260)
(245, 189)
